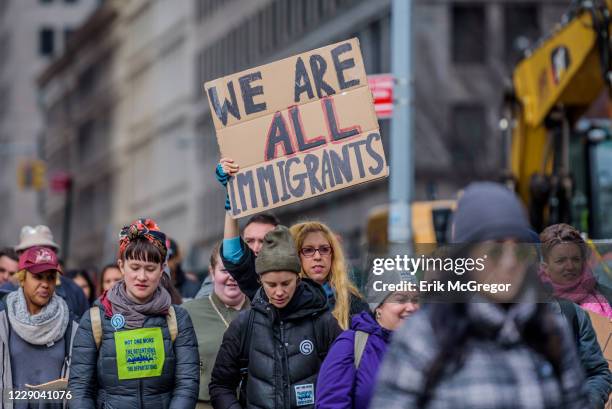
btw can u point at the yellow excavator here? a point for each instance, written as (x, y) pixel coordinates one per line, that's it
(557, 123)
(557, 134)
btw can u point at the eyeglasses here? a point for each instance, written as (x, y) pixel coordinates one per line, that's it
(310, 251)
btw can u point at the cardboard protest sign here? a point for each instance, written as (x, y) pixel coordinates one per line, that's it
(299, 127)
(603, 331)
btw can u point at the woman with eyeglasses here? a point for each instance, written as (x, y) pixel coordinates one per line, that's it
(323, 261)
(321, 257)
(348, 374)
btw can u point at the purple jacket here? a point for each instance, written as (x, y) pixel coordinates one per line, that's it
(340, 385)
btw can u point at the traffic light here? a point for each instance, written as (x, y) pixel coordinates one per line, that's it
(39, 171)
(31, 174)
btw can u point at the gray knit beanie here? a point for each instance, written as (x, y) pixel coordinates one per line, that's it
(278, 253)
(489, 211)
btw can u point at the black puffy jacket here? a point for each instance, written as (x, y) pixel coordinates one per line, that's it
(248, 280)
(285, 352)
(94, 379)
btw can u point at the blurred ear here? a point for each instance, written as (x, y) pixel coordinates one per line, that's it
(121, 266)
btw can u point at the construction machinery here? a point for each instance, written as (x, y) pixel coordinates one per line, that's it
(557, 126)
(557, 133)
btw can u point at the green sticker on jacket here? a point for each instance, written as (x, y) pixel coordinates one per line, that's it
(140, 353)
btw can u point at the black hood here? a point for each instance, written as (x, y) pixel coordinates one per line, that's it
(309, 299)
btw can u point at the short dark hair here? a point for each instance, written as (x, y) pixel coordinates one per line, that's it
(263, 218)
(10, 253)
(143, 250)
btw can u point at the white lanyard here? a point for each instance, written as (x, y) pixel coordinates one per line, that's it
(217, 311)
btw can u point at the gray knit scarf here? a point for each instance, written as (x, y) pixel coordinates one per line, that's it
(44, 328)
(134, 313)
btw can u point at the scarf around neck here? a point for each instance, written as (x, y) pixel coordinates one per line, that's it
(506, 325)
(44, 328)
(135, 314)
(582, 291)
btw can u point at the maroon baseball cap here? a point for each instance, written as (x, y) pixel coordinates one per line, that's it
(38, 259)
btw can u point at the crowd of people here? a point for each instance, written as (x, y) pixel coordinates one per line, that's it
(278, 323)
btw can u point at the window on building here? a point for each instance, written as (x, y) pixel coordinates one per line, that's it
(521, 29)
(67, 35)
(86, 141)
(468, 135)
(468, 41)
(46, 42)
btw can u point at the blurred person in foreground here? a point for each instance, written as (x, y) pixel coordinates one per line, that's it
(565, 268)
(348, 374)
(211, 317)
(36, 327)
(495, 351)
(135, 349)
(41, 236)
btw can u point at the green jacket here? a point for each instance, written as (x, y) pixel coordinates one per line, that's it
(209, 328)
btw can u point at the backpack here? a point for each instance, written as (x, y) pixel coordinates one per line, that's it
(361, 339)
(96, 324)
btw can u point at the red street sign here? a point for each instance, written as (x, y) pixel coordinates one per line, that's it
(382, 92)
(60, 182)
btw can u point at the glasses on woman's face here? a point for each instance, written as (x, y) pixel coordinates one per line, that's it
(310, 251)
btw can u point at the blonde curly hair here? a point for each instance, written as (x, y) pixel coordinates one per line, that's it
(338, 276)
(21, 276)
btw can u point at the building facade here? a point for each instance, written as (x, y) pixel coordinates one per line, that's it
(32, 33)
(464, 52)
(160, 143)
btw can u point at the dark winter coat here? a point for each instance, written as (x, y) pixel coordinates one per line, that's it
(285, 352)
(94, 379)
(245, 275)
(340, 384)
(597, 372)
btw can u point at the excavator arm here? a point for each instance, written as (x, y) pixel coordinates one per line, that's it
(553, 86)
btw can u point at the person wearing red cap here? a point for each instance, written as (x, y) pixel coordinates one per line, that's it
(36, 326)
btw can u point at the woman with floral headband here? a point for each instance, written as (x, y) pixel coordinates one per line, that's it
(135, 349)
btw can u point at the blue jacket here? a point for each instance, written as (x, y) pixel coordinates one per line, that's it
(340, 385)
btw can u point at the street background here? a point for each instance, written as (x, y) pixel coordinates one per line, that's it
(103, 117)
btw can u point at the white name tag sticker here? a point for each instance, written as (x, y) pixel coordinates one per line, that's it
(304, 394)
